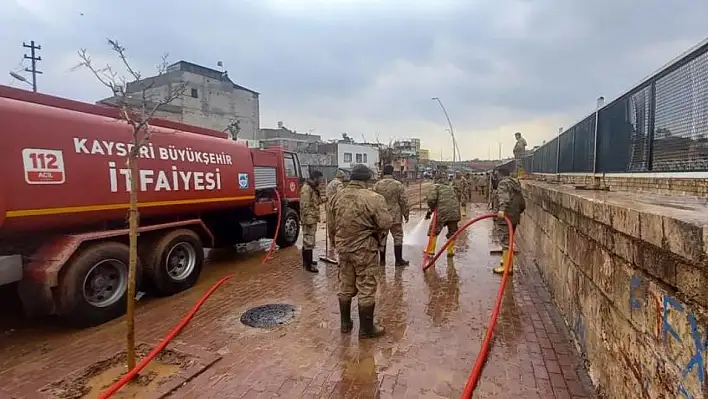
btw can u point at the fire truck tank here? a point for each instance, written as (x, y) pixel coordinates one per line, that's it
(61, 169)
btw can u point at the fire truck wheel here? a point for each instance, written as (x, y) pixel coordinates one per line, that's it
(93, 286)
(176, 262)
(289, 229)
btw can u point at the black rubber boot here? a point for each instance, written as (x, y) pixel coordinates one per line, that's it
(307, 261)
(367, 328)
(345, 315)
(398, 251)
(382, 256)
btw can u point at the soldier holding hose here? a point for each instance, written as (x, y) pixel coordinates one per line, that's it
(510, 202)
(358, 217)
(442, 197)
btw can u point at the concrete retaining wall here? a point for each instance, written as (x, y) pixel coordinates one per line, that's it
(628, 273)
(638, 183)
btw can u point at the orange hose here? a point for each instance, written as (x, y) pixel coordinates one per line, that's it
(185, 320)
(140, 366)
(484, 351)
(277, 228)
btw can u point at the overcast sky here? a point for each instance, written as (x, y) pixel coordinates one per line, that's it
(372, 66)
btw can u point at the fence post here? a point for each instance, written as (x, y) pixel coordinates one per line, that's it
(651, 127)
(600, 103)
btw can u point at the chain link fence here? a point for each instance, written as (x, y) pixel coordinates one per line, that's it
(661, 125)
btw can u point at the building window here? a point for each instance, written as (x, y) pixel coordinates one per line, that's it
(347, 157)
(358, 158)
(365, 160)
(195, 94)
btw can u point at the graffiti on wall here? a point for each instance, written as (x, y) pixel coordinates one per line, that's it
(672, 335)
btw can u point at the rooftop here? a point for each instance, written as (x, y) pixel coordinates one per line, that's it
(204, 71)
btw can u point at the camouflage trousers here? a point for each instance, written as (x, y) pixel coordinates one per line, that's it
(357, 276)
(451, 228)
(397, 233)
(308, 236)
(501, 232)
(519, 167)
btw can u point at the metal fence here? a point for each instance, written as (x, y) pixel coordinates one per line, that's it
(661, 125)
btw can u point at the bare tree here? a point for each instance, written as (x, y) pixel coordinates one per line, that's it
(137, 108)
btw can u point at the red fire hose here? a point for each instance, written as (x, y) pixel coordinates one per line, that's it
(269, 254)
(482, 356)
(186, 319)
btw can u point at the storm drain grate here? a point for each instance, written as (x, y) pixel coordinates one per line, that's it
(268, 316)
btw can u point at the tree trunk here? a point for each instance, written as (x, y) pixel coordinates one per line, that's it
(133, 263)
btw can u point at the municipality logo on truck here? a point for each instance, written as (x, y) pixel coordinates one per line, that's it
(243, 180)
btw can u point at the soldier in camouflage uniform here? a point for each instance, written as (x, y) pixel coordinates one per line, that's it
(461, 186)
(358, 218)
(510, 202)
(395, 194)
(441, 197)
(310, 200)
(333, 188)
(471, 182)
(335, 185)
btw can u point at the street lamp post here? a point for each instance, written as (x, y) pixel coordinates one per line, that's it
(600, 103)
(452, 131)
(20, 78)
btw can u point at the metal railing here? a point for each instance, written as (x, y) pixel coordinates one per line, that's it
(660, 125)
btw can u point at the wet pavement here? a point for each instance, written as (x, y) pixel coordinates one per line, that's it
(435, 323)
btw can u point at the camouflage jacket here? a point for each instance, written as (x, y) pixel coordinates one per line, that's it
(520, 147)
(333, 187)
(510, 199)
(443, 198)
(394, 193)
(357, 218)
(461, 187)
(310, 200)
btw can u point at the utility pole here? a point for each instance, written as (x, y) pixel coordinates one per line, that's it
(34, 58)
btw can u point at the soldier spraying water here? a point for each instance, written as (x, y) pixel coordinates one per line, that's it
(442, 197)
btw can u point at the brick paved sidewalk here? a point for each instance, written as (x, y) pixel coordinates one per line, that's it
(435, 325)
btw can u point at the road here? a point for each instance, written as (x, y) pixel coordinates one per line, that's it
(435, 322)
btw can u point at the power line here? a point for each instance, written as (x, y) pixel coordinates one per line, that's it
(34, 58)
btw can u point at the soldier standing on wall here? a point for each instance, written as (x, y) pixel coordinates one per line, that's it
(510, 202)
(310, 200)
(519, 152)
(395, 194)
(442, 197)
(358, 217)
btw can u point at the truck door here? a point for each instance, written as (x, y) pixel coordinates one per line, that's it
(293, 174)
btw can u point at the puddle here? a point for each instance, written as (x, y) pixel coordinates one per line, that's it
(154, 375)
(91, 381)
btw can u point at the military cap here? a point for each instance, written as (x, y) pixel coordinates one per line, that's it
(361, 173)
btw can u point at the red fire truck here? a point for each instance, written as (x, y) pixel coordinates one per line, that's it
(64, 190)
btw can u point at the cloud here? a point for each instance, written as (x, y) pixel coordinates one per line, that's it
(370, 67)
